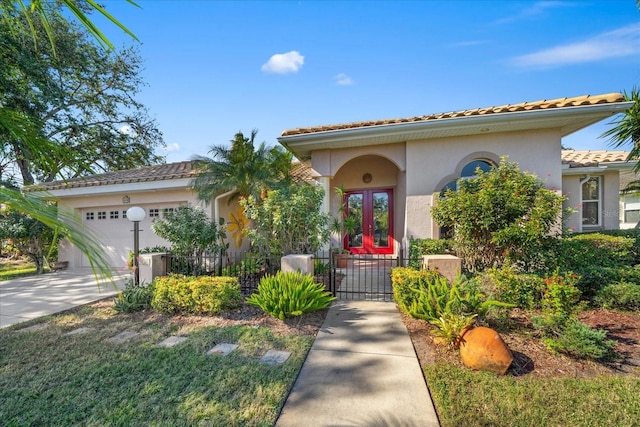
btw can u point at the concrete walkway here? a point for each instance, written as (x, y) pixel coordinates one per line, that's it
(362, 370)
(27, 298)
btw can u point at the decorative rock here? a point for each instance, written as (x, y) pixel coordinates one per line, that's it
(482, 348)
(123, 336)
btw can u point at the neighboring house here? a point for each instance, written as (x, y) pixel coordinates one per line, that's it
(592, 181)
(392, 170)
(629, 200)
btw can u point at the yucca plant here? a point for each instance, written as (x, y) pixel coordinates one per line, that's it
(290, 294)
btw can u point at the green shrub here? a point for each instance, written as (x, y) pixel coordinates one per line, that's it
(581, 340)
(134, 298)
(250, 264)
(633, 234)
(561, 296)
(623, 296)
(582, 251)
(594, 278)
(427, 295)
(522, 290)
(204, 294)
(290, 294)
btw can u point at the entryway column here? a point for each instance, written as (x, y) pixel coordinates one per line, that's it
(325, 183)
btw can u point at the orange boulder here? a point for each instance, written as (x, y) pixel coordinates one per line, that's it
(482, 348)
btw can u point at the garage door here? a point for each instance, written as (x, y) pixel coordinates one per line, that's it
(115, 232)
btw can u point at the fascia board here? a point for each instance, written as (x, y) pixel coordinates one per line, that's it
(133, 187)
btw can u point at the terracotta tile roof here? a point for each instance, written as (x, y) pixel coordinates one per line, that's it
(586, 158)
(145, 174)
(503, 109)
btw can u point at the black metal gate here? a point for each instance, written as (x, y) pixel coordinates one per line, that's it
(365, 277)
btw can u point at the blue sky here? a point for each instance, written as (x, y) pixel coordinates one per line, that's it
(214, 68)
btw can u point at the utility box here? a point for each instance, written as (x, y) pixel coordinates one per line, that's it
(297, 262)
(448, 265)
(152, 266)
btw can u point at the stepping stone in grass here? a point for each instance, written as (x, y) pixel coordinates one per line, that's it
(34, 327)
(275, 357)
(222, 349)
(79, 331)
(123, 336)
(171, 341)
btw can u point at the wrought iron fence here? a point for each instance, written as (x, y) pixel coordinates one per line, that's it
(364, 277)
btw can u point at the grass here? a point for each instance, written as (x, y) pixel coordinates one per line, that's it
(468, 398)
(10, 269)
(50, 378)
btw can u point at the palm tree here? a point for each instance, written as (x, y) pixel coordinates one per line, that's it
(241, 168)
(627, 128)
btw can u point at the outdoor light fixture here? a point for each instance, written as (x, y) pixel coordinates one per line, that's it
(136, 214)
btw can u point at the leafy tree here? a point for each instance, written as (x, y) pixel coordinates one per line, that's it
(243, 168)
(21, 127)
(81, 98)
(30, 236)
(626, 130)
(502, 214)
(288, 221)
(189, 230)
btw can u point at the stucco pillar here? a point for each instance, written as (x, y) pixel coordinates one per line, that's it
(325, 183)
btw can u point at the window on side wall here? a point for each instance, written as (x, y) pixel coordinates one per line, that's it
(631, 209)
(591, 202)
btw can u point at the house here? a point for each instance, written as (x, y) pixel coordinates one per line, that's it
(393, 172)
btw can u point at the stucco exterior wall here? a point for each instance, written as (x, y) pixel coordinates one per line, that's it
(433, 163)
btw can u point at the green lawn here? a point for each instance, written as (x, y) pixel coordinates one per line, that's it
(49, 378)
(10, 269)
(467, 398)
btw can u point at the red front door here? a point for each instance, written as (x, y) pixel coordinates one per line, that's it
(372, 215)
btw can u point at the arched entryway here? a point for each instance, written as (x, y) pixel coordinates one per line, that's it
(370, 184)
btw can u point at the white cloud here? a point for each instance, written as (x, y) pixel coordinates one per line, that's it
(343, 80)
(171, 147)
(534, 10)
(283, 63)
(126, 130)
(619, 43)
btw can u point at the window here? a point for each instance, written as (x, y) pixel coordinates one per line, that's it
(124, 214)
(469, 170)
(102, 215)
(88, 216)
(166, 211)
(114, 214)
(154, 213)
(591, 202)
(631, 208)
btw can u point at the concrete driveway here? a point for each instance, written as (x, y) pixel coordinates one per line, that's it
(30, 297)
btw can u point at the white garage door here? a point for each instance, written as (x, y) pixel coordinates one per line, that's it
(115, 232)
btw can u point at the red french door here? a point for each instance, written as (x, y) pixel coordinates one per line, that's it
(371, 213)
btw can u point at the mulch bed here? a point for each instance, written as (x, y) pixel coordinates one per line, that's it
(531, 356)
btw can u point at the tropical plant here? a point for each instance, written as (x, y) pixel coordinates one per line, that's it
(290, 294)
(450, 328)
(503, 214)
(133, 298)
(287, 221)
(626, 132)
(342, 224)
(241, 168)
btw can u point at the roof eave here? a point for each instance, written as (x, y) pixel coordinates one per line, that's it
(302, 145)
